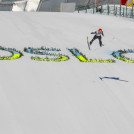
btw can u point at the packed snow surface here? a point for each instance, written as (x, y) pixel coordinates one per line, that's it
(67, 97)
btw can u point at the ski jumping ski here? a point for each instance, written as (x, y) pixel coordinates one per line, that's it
(88, 43)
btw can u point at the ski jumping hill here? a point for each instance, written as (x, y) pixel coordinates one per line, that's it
(51, 83)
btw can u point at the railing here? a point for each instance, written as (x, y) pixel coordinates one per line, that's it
(116, 10)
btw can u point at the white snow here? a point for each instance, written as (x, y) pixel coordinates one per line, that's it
(40, 97)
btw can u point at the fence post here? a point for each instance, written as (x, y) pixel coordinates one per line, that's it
(101, 9)
(93, 10)
(114, 9)
(86, 9)
(108, 9)
(126, 9)
(123, 12)
(120, 9)
(132, 10)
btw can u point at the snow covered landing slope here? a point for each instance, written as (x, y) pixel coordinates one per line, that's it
(67, 97)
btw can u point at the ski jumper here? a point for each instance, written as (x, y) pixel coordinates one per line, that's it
(98, 35)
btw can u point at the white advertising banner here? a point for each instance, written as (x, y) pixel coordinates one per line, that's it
(19, 6)
(32, 5)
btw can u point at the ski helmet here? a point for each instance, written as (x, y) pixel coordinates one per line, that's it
(100, 29)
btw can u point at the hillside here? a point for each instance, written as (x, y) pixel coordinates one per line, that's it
(65, 97)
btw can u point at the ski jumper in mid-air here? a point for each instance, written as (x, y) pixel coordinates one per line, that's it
(98, 35)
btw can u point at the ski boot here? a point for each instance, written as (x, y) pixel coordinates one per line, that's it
(90, 42)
